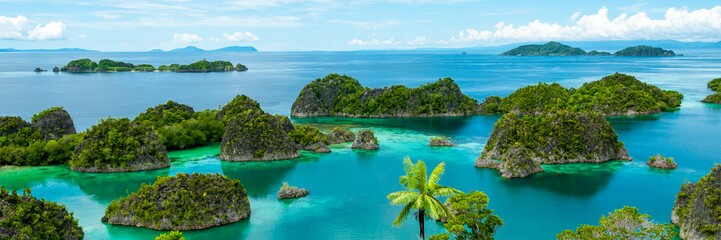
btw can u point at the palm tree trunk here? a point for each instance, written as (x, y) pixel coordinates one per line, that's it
(421, 220)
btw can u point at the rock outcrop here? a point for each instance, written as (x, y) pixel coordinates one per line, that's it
(440, 142)
(254, 135)
(54, 123)
(182, 202)
(26, 217)
(292, 192)
(118, 145)
(366, 140)
(309, 138)
(563, 137)
(339, 135)
(659, 161)
(696, 211)
(516, 163)
(343, 96)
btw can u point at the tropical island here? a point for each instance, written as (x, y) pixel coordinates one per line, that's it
(26, 217)
(287, 192)
(367, 140)
(522, 143)
(251, 134)
(659, 161)
(107, 65)
(118, 145)
(613, 95)
(342, 96)
(714, 85)
(696, 211)
(179, 126)
(182, 202)
(557, 49)
(50, 139)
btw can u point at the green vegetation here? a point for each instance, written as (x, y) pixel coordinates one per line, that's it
(306, 135)
(23, 145)
(697, 211)
(338, 95)
(616, 94)
(548, 49)
(644, 51)
(256, 135)
(173, 235)
(555, 138)
(46, 112)
(107, 65)
(182, 202)
(239, 104)
(25, 217)
(597, 53)
(625, 223)
(180, 127)
(421, 194)
(473, 219)
(439, 138)
(116, 144)
(714, 85)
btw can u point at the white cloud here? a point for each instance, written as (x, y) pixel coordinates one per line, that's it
(186, 38)
(240, 37)
(20, 28)
(418, 41)
(677, 24)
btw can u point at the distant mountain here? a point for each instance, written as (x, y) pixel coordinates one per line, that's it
(47, 50)
(193, 49)
(644, 51)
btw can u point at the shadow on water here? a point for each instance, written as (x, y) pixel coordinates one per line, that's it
(262, 178)
(236, 230)
(445, 125)
(574, 179)
(625, 123)
(106, 187)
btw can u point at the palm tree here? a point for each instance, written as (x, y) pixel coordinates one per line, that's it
(421, 193)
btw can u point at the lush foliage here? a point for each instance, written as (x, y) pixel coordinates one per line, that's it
(164, 114)
(116, 142)
(179, 126)
(644, 51)
(239, 104)
(104, 65)
(474, 220)
(173, 235)
(714, 85)
(258, 133)
(625, 223)
(548, 49)
(14, 131)
(183, 201)
(562, 135)
(305, 135)
(421, 194)
(612, 95)
(40, 153)
(84, 64)
(46, 112)
(706, 195)
(25, 217)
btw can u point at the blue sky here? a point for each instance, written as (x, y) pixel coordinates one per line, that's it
(282, 25)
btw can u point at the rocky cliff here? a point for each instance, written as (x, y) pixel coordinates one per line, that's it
(254, 135)
(562, 137)
(339, 135)
(366, 140)
(54, 123)
(343, 96)
(26, 217)
(659, 161)
(697, 211)
(182, 202)
(118, 145)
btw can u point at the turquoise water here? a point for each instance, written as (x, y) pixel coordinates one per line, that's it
(349, 187)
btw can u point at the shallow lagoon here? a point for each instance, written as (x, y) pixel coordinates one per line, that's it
(348, 187)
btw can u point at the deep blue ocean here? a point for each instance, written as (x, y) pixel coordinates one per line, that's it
(349, 187)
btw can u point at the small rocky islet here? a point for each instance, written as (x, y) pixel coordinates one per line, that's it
(440, 142)
(182, 202)
(697, 211)
(565, 137)
(365, 140)
(659, 161)
(714, 85)
(289, 192)
(23, 216)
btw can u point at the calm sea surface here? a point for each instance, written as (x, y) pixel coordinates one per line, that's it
(349, 187)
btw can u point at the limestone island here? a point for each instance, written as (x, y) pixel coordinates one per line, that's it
(440, 142)
(254, 135)
(342, 96)
(182, 202)
(365, 140)
(696, 211)
(523, 143)
(286, 192)
(107, 65)
(644, 51)
(181, 127)
(50, 139)
(613, 95)
(118, 145)
(557, 49)
(659, 161)
(26, 217)
(714, 85)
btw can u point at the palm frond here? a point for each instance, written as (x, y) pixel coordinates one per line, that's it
(443, 191)
(403, 215)
(442, 210)
(402, 197)
(436, 175)
(420, 176)
(431, 206)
